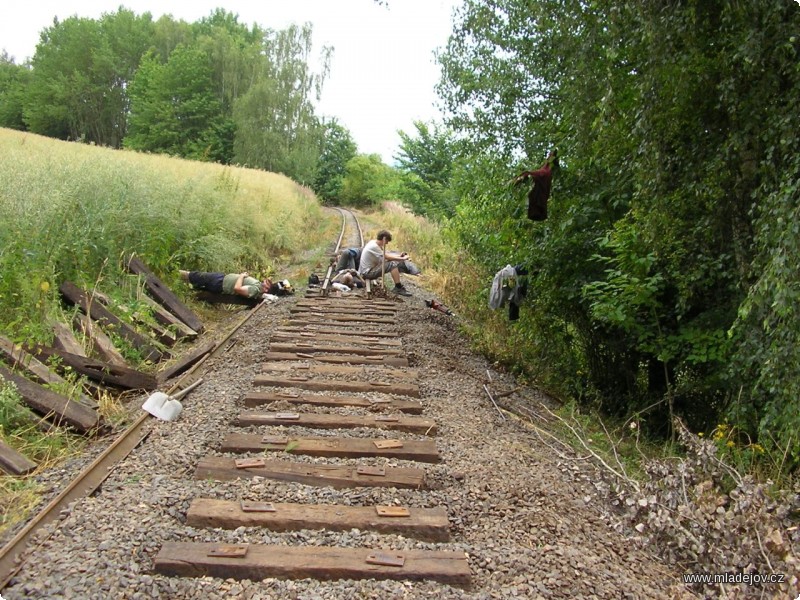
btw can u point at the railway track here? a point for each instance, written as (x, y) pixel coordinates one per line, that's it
(339, 446)
(362, 368)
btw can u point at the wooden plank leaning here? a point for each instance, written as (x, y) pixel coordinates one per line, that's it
(316, 562)
(14, 463)
(64, 339)
(164, 295)
(102, 315)
(100, 343)
(97, 370)
(19, 359)
(167, 319)
(58, 408)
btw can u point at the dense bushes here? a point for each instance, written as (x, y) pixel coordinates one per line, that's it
(666, 276)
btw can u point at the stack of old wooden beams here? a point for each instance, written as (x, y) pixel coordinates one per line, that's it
(34, 380)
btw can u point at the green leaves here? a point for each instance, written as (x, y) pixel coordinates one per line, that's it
(676, 205)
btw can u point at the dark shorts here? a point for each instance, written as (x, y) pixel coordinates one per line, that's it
(376, 272)
(211, 282)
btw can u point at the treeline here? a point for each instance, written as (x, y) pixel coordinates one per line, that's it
(665, 281)
(213, 90)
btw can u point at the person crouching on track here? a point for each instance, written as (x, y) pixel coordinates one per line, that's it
(240, 284)
(372, 264)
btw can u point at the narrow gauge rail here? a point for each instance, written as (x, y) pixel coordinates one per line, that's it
(370, 349)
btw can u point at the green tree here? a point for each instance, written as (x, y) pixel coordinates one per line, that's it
(13, 82)
(672, 121)
(367, 180)
(79, 77)
(427, 160)
(277, 128)
(338, 148)
(174, 109)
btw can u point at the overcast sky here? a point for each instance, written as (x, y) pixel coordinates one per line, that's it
(382, 73)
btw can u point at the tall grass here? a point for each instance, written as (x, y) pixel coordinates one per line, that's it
(72, 212)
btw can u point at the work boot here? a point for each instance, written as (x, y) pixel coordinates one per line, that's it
(400, 290)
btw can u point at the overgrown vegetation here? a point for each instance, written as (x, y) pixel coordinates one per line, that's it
(665, 277)
(31, 436)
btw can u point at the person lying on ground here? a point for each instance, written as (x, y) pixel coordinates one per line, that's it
(349, 277)
(240, 284)
(376, 260)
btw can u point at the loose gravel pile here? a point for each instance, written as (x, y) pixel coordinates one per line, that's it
(533, 525)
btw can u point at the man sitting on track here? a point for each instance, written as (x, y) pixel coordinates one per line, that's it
(372, 264)
(240, 284)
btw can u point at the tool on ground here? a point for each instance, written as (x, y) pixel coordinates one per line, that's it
(435, 305)
(166, 407)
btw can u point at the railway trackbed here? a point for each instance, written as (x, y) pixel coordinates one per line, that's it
(293, 473)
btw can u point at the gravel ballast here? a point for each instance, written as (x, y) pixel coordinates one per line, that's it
(533, 524)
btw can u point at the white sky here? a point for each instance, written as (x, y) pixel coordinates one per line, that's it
(382, 72)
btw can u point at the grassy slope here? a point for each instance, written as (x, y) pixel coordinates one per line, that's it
(71, 211)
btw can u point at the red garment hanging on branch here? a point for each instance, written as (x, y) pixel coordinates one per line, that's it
(540, 192)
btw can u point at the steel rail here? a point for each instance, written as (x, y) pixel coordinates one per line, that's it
(95, 473)
(329, 273)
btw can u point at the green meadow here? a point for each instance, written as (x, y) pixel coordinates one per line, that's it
(73, 211)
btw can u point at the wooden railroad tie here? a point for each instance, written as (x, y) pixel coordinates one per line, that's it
(98, 341)
(351, 338)
(368, 370)
(430, 524)
(344, 314)
(107, 374)
(164, 295)
(333, 447)
(259, 562)
(97, 312)
(256, 399)
(13, 462)
(59, 409)
(329, 385)
(394, 360)
(337, 476)
(331, 421)
(322, 328)
(18, 359)
(349, 302)
(308, 346)
(311, 321)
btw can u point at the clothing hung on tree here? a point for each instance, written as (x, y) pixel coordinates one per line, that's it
(540, 190)
(509, 285)
(540, 193)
